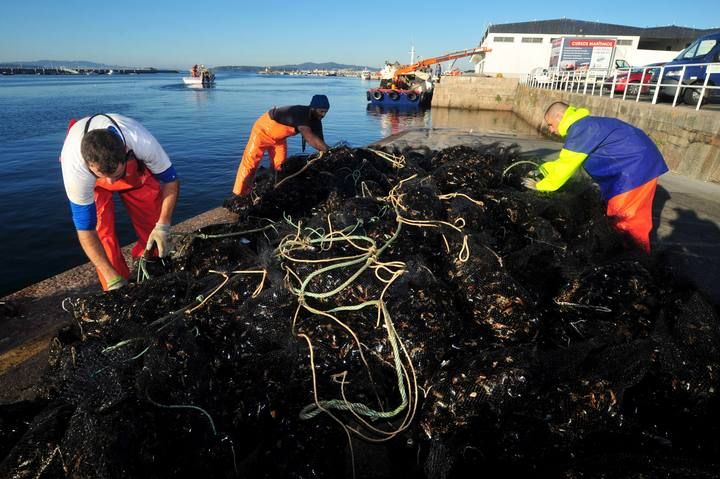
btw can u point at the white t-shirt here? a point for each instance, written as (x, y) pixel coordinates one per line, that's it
(79, 180)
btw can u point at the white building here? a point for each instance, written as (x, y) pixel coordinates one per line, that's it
(517, 48)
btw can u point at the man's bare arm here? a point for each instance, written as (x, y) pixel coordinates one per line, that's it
(169, 193)
(313, 139)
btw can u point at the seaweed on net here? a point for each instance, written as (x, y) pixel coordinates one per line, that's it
(382, 313)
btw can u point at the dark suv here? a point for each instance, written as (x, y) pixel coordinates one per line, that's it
(703, 50)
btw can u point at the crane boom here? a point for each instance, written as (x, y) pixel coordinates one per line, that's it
(442, 58)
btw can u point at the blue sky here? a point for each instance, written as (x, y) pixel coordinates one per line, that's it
(272, 32)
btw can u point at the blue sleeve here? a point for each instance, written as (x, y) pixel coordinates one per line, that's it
(84, 216)
(167, 176)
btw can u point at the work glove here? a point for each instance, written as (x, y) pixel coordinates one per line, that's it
(116, 282)
(530, 183)
(535, 174)
(159, 237)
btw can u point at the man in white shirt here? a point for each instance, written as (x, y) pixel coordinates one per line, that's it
(110, 153)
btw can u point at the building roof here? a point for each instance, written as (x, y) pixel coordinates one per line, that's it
(673, 31)
(568, 26)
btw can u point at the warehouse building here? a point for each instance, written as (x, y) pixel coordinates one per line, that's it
(518, 48)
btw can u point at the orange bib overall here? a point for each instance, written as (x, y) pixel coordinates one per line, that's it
(631, 213)
(266, 135)
(141, 194)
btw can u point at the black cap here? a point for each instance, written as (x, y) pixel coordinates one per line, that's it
(320, 102)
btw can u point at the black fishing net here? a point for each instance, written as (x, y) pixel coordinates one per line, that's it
(385, 314)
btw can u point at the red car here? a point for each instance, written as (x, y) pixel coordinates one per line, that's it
(632, 83)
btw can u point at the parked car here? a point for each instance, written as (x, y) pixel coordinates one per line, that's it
(620, 63)
(705, 49)
(633, 80)
(540, 75)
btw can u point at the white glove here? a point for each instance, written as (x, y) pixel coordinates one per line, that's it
(159, 236)
(530, 183)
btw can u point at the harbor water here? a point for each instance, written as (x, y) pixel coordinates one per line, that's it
(204, 132)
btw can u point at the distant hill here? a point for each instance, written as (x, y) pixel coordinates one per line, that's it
(299, 66)
(237, 68)
(240, 68)
(322, 66)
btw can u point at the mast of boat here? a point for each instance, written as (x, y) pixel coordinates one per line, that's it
(412, 54)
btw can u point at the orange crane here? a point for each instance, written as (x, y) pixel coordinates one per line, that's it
(443, 58)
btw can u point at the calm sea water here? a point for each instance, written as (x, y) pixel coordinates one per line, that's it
(203, 131)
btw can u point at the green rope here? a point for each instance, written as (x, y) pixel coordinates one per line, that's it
(121, 344)
(225, 235)
(522, 162)
(312, 410)
(139, 354)
(183, 406)
(366, 259)
(142, 273)
(318, 233)
(288, 220)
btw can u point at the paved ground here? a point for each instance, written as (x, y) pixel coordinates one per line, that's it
(686, 213)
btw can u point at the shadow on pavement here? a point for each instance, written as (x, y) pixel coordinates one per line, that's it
(690, 243)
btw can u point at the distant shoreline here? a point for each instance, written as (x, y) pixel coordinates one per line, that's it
(80, 71)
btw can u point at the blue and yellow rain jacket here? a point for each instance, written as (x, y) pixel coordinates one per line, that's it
(618, 156)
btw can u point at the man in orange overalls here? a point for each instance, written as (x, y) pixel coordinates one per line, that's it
(270, 133)
(103, 154)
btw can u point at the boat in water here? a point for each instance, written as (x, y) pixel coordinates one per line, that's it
(404, 89)
(411, 85)
(200, 77)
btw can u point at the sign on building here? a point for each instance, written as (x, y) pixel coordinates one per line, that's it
(582, 54)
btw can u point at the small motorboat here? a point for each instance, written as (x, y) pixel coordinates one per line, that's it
(200, 77)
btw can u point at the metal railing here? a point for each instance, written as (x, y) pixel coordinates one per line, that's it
(679, 82)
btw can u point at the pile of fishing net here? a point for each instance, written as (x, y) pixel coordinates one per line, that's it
(385, 314)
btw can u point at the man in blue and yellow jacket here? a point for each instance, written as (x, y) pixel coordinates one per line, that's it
(622, 159)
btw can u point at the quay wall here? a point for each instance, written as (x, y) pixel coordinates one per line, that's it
(475, 93)
(688, 139)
